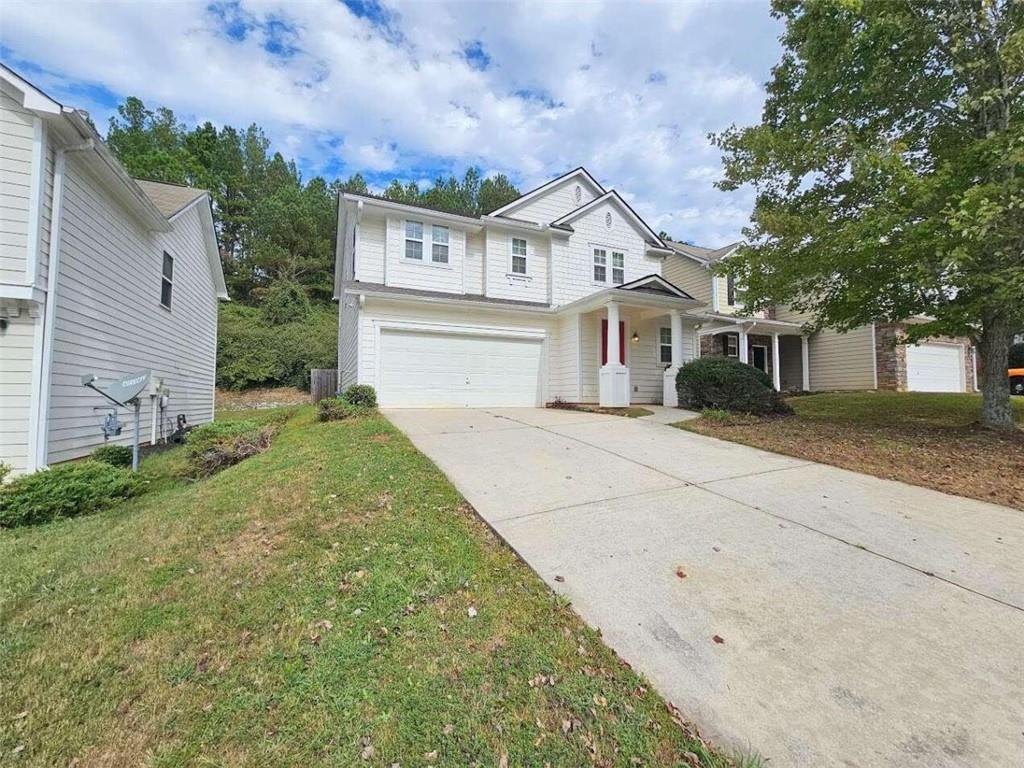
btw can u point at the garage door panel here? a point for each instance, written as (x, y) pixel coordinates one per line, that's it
(455, 370)
(934, 368)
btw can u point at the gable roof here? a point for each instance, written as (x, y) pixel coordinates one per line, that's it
(524, 198)
(611, 196)
(654, 284)
(703, 256)
(170, 199)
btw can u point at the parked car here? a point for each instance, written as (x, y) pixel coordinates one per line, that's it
(1016, 381)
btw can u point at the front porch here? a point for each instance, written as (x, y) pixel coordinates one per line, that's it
(778, 348)
(629, 344)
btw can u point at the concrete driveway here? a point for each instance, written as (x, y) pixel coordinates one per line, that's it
(864, 622)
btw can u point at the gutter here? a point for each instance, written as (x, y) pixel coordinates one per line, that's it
(41, 420)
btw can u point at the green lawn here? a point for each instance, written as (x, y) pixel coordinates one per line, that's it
(925, 439)
(330, 602)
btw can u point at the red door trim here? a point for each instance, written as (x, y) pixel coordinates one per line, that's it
(604, 341)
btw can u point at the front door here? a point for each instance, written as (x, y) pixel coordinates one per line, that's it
(760, 360)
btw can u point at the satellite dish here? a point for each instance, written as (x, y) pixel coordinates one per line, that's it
(122, 390)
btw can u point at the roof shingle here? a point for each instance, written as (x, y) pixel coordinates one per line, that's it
(169, 199)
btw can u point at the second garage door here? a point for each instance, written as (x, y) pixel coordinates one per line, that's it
(934, 368)
(456, 370)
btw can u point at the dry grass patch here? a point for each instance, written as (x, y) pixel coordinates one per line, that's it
(922, 439)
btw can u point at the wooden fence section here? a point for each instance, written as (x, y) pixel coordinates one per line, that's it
(323, 382)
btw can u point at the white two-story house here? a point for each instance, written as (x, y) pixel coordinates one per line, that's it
(100, 274)
(558, 295)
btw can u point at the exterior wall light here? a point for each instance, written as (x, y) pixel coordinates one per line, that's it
(636, 337)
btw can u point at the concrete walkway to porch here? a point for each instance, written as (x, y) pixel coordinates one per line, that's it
(818, 616)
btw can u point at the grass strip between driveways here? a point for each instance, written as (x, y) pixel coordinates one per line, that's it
(332, 601)
(925, 439)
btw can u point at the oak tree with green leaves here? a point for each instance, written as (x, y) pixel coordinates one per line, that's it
(889, 173)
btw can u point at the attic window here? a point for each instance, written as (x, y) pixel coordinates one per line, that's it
(166, 284)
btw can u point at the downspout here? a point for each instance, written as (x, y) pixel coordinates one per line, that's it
(53, 273)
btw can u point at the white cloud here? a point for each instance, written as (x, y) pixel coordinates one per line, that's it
(628, 90)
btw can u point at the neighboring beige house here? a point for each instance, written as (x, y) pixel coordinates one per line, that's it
(867, 357)
(558, 295)
(99, 274)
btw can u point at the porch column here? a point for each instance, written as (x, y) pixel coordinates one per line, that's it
(776, 367)
(669, 396)
(744, 352)
(806, 363)
(613, 378)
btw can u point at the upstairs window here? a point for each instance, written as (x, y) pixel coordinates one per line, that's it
(665, 345)
(414, 240)
(730, 290)
(618, 268)
(600, 265)
(518, 256)
(439, 244)
(167, 280)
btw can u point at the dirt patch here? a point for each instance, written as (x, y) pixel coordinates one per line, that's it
(965, 461)
(259, 399)
(631, 412)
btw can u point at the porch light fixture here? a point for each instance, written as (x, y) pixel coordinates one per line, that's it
(636, 337)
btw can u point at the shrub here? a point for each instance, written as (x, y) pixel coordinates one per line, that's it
(218, 445)
(361, 394)
(5, 470)
(67, 490)
(337, 409)
(114, 455)
(729, 385)
(285, 302)
(254, 352)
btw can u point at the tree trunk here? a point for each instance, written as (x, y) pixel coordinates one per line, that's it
(994, 348)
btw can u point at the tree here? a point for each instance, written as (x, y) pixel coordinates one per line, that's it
(495, 193)
(149, 144)
(889, 173)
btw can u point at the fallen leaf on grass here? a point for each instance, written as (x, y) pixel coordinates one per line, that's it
(432, 755)
(471, 612)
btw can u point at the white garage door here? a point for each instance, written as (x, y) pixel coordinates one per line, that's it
(934, 368)
(454, 370)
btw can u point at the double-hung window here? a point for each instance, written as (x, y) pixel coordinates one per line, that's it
(665, 345)
(732, 345)
(414, 240)
(600, 265)
(439, 245)
(167, 280)
(518, 256)
(618, 268)
(730, 290)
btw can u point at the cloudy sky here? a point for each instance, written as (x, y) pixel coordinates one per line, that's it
(409, 90)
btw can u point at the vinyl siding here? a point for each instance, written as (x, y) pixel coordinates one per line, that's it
(556, 202)
(690, 276)
(370, 249)
(16, 388)
(564, 360)
(109, 320)
(402, 272)
(473, 265)
(574, 263)
(501, 283)
(16, 172)
(837, 360)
